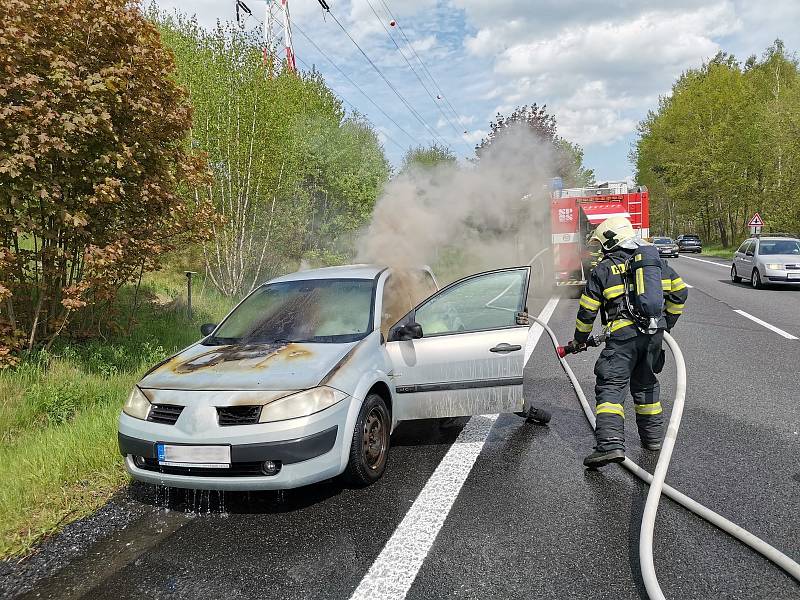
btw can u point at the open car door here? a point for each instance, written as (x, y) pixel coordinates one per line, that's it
(460, 352)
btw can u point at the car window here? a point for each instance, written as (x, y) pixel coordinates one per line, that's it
(403, 290)
(750, 246)
(315, 310)
(743, 248)
(486, 301)
(662, 241)
(772, 247)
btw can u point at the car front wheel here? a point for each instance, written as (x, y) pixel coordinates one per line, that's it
(755, 280)
(369, 449)
(734, 277)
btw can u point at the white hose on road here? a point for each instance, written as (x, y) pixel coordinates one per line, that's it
(657, 485)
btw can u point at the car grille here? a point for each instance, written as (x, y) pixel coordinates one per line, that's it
(238, 415)
(164, 413)
(793, 267)
(237, 469)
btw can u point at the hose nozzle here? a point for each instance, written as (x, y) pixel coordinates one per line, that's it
(575, 347)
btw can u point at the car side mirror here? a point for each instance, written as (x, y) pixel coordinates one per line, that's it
(207, 328)
(404, 333)
(749, 253)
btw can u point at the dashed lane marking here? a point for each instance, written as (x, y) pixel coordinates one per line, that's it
(777, 330)
(391, 575)
(709, 262)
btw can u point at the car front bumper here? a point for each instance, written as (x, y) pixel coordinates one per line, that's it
(309, 450)
(781, 276)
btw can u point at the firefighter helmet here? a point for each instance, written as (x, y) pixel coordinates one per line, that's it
(613, 231)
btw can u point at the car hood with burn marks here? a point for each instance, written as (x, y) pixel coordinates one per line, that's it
(293, 366)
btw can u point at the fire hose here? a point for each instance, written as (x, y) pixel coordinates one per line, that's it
(656, 480)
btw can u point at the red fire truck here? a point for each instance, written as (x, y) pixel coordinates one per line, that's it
(575, 214)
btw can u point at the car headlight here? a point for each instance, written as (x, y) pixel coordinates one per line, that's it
(774, 266)
(137, 405)
(301, 404)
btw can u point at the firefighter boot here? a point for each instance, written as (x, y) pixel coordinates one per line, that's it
(600, 458)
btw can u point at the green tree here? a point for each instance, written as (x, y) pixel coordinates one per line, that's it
(723, 145)
(94, 169)
(567, 157)
(293, 175)
(427, 157)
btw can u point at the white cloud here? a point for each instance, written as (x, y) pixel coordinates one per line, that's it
(597, 75)
(475, 136)
(650, 41)
(424, 44)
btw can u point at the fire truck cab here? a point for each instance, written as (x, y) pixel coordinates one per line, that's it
(576, 212)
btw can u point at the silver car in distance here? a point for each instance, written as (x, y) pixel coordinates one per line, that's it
(767, 260)
(307, 377)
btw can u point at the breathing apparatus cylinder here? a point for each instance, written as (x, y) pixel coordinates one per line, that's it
(645, 296)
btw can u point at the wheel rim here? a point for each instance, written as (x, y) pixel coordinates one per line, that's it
(756, 279)
(375, 439)
(733, 273)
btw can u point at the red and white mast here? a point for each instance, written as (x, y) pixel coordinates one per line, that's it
(278, 26)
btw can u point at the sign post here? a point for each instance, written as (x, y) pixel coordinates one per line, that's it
(755, 224)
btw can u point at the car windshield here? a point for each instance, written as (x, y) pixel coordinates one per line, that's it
(771, 247)
(314, 310)
(662, 241)
(691, 238)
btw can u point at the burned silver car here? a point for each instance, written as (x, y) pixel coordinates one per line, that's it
(306, 378)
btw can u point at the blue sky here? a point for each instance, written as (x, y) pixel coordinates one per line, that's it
(599, 66)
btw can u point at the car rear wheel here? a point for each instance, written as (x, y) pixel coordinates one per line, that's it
(755, 280)
(734, 277)
(369, 449)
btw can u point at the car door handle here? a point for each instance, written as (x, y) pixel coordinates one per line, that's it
(505, 348)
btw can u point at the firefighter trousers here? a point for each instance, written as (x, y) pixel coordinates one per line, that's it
(623, 363)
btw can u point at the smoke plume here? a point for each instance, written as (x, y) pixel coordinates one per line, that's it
(464, 219)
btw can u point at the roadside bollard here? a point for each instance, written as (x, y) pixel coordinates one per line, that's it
(189, 292)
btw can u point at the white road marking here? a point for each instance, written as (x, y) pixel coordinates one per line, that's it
(391, 575)
(688, 285)
(777, 330)
(709, 262)
(537, 330)
(396, 567)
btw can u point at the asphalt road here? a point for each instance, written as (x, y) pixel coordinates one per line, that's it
(529, 521)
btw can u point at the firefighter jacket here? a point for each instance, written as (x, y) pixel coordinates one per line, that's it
(604, 293)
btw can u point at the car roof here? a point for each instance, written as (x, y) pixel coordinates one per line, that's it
(788, 238)
(360, 271)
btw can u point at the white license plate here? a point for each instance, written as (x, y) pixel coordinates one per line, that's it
(211, 457)
(793, 276)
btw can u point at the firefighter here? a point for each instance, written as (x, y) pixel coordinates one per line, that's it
(630, 357)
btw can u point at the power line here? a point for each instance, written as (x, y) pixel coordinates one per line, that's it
(352, 106)
(421, 62)
(413, 70)
(354, 84)
(386, 80)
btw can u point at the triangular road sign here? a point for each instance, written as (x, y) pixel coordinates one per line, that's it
(756, 221)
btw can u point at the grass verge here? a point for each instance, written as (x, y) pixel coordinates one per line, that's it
(58, 411)
(719, 252)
